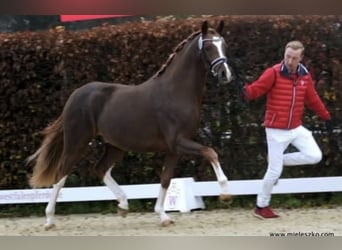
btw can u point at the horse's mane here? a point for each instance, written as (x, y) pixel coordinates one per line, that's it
(175, 51)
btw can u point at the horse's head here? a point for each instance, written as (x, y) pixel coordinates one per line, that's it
(212, 48)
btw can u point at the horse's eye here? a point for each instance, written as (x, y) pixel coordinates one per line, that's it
(208, 48)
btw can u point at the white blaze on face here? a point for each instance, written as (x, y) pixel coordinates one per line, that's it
(218, 42)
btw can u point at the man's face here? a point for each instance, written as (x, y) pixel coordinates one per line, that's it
(292, 58)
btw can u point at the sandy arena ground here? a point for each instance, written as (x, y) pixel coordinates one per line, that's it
(228, 222)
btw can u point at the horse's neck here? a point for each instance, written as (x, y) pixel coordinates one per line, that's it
(186, 71)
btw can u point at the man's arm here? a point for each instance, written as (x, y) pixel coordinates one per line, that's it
(314, 102)
(261, 86)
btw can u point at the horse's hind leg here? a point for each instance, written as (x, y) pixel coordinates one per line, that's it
(165, 178)
(50, 208)
(103, 169)
(67, 163)
(76, 139)
(187, 146)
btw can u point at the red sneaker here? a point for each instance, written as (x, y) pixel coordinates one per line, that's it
(264, 213)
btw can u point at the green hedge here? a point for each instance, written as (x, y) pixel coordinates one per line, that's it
(39, 70)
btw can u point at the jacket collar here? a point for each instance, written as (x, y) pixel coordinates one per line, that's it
(301, 70)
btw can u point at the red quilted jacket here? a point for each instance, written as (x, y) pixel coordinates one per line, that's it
(286, 96)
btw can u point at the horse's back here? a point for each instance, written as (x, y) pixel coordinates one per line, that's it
(94, 91)
(87, 101)
(102, 88)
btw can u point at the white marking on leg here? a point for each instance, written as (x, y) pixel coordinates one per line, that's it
(221, 177)
(115, 188)
(50, 208)
(159, 206)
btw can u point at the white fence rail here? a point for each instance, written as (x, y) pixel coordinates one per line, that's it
(147, 191)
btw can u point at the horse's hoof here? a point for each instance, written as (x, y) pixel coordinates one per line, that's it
(225, 197)
(122, 212)
(49, 226)
(166, 223)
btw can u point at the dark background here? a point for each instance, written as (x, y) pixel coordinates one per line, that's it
(14, 23)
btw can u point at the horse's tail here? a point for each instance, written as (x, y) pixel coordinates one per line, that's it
(48, 156)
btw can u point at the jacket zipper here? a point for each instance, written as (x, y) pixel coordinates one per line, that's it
(292, 103)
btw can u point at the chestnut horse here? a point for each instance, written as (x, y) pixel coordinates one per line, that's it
(160, 115)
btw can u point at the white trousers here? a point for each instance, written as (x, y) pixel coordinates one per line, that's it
(277, 142)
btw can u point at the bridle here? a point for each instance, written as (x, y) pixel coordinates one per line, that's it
(217, 61)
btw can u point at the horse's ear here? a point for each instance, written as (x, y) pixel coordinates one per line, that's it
(220, 27)
(204, 27)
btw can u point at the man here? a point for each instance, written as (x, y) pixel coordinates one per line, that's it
(288, 86)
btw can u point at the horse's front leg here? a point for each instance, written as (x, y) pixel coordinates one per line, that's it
(165, 178)
(222, 179)
(187, 146)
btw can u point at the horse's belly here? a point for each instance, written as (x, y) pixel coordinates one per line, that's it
(137, 143)
(132, 135)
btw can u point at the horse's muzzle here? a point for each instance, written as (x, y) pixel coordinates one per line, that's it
(224, 74)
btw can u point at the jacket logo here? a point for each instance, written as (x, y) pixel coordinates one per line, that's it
(302, 82)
